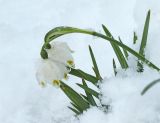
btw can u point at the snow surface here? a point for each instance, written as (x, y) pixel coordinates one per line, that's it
(23, 25)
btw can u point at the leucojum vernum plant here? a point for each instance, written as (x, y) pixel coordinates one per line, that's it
(57, 63)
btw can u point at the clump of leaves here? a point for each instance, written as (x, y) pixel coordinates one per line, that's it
(82, 102)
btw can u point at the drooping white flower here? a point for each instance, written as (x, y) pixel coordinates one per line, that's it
(50, 72)
(61, 53)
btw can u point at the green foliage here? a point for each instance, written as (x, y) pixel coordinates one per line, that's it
(149, 86)
(59, 31)
(74, 110)
(125, 52)
(95, 67)
(135, 38)
(89, 96)
(74, 97)
(144, 42)
(116, 49)
(114, 68)
(81, 102)
(89, 90)
(79, 73)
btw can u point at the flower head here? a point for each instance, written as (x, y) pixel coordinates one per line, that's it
(60, 52)
(57, 58)
(50, 72)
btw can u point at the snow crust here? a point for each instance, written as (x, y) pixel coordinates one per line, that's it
(23, 25)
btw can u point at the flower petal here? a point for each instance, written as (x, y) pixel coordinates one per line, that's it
(60, 52)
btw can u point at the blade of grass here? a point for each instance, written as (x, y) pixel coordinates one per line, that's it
(116, 49)
(143, 42)
(89, 96)
(79, 73)
(76, 107)
(96, 70)
(85, 97)
(89, 90)
(74, 110)
(135, 38)
(149, 86)
(114, 68)
(74, 96)
(125, 52)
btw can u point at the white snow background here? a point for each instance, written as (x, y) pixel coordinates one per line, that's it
(23, 24)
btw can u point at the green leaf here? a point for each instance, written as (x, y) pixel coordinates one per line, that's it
(96, 70)
(144, 42)
(114, 68)
(76, 107)
(125, 52)
(74, 110)
(53, 34)
(89, 90)
(116, 49)
(140, 57)
(135, 38)
(79, 73)
(89, 96)
(85, 97)
(74, 96)
(149, 86)
(108, 33)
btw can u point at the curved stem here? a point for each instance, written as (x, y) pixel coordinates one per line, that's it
(60, 31)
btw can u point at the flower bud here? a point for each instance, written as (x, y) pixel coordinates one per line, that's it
(44, 54)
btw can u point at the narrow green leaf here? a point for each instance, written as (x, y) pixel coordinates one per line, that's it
(53, 34)
(116, 49)
(74, 110)
(89, 90)
(149, 86)
(140, 57)
(89, 96)
(108, 33)
(76, 107)
(135, 38)
(79, 73)
(95, 72)
(114, 68)
(140, 66)
(74, 96)
(144, 41)
(125, 52)
(85, 97)
(95, 64)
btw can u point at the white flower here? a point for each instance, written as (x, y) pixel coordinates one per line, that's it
(60, 52)
(50, 72)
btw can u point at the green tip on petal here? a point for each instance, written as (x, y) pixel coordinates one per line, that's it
(56, 83)
(42, 84)
(71, 63)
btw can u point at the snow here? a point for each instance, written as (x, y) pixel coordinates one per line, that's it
(23, 25)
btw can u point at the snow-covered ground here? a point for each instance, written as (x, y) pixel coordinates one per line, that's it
(23, 24)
